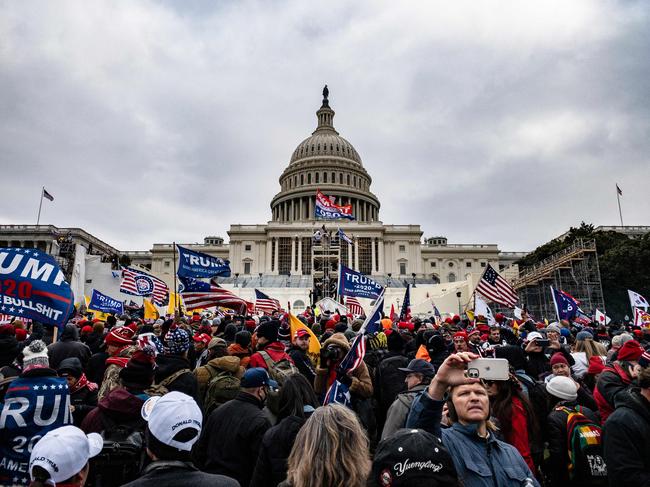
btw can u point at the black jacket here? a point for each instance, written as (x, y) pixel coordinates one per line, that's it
(556, 435)
(303, 362)
(231, 438)
(389, 381)
(537, 365)
(97, 367)
(185, 383)
(69, 346)
(627, 441)
(271, 467)
(166, 473)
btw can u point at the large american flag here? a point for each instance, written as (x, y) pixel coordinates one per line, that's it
(138, 283)
(354, 306)
(264, 303)
(496, 288)
(199, 294)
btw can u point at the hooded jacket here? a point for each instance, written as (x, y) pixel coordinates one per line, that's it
(303, 362)
(479, 462)
(244, 354)
(185, 383)
(169, 473)
(119, 406)
(231, 438)
(612, 381)
(627, 441)
(84, 399)
(275, 350)
(205, 373)
(361, 382)
(68, 346)
(399, 410)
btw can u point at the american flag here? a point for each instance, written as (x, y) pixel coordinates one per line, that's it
(264, 303)
(354, 306)
(405, 313)
(496, 288)
(339, 393)
(198, 294)
(140, 283)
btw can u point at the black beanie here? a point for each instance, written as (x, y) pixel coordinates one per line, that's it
(268, 330)
(139, 371)
(341, 327)
(229, 333)
(70, 366)
(395, 342)
(243, 338)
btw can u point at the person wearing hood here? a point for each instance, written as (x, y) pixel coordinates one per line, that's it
(333, 351)
(122, 405)
(83, 393)
(68, 346)
(218, 361)
(298, 353)
(241, 348)
(173, 362)
(627, 436)
(268, 346)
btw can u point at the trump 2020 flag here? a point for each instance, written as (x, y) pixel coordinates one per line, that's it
(327, 210)
(637, 301)
(33, 286)
(353, 283)
(105, 304)
(566, 306)
(197, 264)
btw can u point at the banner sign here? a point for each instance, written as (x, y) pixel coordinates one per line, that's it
(353, 283)
(326, 209)
(105, 304)
(32, 407)
(33, 286)
(197, 264)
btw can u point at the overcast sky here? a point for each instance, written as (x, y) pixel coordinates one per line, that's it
(486, 122)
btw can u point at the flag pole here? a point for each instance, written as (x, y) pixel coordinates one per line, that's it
(40, 205)
(177, 303)
(618, 198)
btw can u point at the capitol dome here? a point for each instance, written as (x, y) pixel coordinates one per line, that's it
(328, 162)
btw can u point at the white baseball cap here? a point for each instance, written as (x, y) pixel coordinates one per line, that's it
(171, 413)
(534, 335)
(63, 452)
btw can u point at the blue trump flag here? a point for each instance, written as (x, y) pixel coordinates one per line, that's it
(33, 286)
(105, 304)
(353, 283)
(197, 264)
(566, 305)
(32, 406)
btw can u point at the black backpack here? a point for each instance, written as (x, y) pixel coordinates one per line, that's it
(122, 457)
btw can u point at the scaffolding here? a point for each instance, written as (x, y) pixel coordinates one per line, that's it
(574, 270)
(66, 255)
(326, 255)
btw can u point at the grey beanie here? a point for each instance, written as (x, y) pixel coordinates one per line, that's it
(35, 354)
(562, 388)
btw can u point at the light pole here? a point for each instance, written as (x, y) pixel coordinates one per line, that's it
(260, 279)
(388, 281)
(413, 275)
(458, 294)
(236, 278)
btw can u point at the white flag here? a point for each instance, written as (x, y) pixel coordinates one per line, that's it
(601, 318)
(637, 301)
(481, 308)
(517, 312)
(638, 317)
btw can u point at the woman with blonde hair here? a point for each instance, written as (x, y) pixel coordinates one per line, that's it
(330, 449)
(584, 348)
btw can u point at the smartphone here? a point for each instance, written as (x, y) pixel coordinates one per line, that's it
(489, 369)
(542, 342)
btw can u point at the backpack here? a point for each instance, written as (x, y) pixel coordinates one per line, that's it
(279, 371)
(585, 445)
(122, 456)
(222, 387)
(163, 388)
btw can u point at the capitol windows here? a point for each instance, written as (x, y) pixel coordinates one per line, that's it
(483, 264)
(402, 248)
(247, 267)
(309, 178)
(355, 181)
(295, 181)
(167, 263)
(468, 264)
(451, 277)
(402, 268)
(433, 264)
(451, 264)
(247, 247)
(340, 178)
(333, 177)
(324, 177)
(317, 177)
(302, 179)
(348, 180)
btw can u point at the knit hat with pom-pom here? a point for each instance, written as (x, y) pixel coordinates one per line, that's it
(35, 354)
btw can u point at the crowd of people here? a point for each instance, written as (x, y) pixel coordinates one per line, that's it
(239, 400)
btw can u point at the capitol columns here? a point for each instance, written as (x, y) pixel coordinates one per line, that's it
(299, 268)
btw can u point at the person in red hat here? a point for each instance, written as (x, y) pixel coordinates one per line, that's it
(560, 367)
(460, 342)
(617, 378)
(298, 353)
(201, 342)
(119, 346)
(474, 341)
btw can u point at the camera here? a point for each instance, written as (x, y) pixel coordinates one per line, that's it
(331, 352)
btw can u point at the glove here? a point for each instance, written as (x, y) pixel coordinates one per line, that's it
(344, 379)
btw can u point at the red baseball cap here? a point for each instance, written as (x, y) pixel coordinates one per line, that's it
(301, 332)
(203, 337)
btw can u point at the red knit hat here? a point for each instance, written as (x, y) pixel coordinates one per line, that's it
(119, 336)
(461, 334)
(456, 319)
(21, 334)
(499, 317)
(86, 329)
(596, 364)
(630, 351)
(558, 358)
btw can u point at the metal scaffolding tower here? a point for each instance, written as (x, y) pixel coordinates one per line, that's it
(573, 270)
(326, 255)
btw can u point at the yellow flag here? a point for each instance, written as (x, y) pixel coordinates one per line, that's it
(150, 311)
(174, 300)
(295, 324)
(470, 314)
